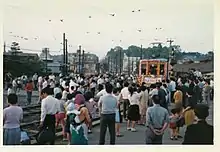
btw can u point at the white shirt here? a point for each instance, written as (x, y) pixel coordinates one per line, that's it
(93, 85)
(56, 90)
(101, 93)
(153, 92)
(45, 84)
(64, 84)
(100, 81)
(14, 84)
(134, 99)
(72, 83)
(118, 85)
(64, 95)
(173, 85)
(49, 105)
(10, 91)
(51, 77)
(125, 93)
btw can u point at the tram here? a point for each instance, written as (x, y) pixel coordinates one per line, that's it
(153, 70)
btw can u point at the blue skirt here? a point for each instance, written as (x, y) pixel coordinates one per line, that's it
(12, 136)
(117, 116)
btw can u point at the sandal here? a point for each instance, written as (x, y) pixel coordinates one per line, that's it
(172, 138)
(119, 135)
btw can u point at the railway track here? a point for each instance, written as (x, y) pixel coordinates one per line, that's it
(31, 121)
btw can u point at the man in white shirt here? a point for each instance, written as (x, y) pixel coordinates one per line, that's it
(101, 80)
(49, 107)
(45, 83)
(124, 97)
(173, 88)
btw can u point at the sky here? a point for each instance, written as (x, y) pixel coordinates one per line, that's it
(188, 22)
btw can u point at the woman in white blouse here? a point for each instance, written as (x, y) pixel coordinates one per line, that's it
(133, 111)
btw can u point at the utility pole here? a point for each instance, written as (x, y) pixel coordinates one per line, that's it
(132, 65)
(64, 53)
(141, 52)
(108, 63)
(79, 53)
(170, 41)
(66, 63)
(4, 47)
(120, 65)
(116, 63)
(46, 49)
(129, 64)
(83, 61)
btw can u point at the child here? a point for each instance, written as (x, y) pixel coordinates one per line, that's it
(173, 123)
(61, 115)
(117, 113)
(92, 107)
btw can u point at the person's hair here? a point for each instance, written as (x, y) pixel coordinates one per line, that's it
(9, 85)
(57, 85)
(156, 99)
(46, 90)
(143, 88)
(126, 84)
(72, 87)
(69, 96)
(12, 98)
(88, 95)
(165, 85)
(168, 81)
(115, 90)
(153, 86)
(108, 88)
(100, 87)
(131, 90)
(30, 81)
(201, 111)
(158, 84)
(58, 96)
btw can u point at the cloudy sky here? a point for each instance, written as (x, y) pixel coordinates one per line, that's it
(188, 22)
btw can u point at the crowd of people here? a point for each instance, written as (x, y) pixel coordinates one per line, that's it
(76, 100)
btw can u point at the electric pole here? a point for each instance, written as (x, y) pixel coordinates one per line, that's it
(83, 61)
(64, 54)
(170, 41)
(66, 63)
(79, 53)
(141, 52)
(4, 47)
(116, 63)
(120, 65)
(46, 49)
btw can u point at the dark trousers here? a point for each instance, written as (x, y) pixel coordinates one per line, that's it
(35, 84)
(125, 107)
(152, 138)
(172, 94)
(29, 95)
(49, 122)
(107, 120)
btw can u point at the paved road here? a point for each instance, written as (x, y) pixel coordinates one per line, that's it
(136, 138)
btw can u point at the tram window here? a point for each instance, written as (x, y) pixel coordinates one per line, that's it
(143, 69)
(162, 69)
(153, 69)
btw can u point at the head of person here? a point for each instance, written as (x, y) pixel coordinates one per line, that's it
(108, 88)
(164, 85)
(45, 92)
(30, 81)
(115, 91)
(88, 95)
(201, 111)
(12, 99)
(153, 86)
(131, 90)
(156, 99)
(69, 96)
(126, 84)
(58, 96)
(57, 85)
(143, 88)
(79, 99)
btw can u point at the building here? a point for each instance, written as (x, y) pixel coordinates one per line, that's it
(129, 64)
(47, 58)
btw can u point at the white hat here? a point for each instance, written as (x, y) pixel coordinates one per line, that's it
(71, 109)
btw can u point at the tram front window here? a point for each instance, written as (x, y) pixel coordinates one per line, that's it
(162, 69)
(143, 69)
(153, 69)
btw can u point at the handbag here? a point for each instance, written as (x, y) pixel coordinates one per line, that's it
(44, 136)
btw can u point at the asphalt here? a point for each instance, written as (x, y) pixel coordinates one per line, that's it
(136, 138)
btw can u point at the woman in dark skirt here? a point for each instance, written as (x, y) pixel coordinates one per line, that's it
(133, 110)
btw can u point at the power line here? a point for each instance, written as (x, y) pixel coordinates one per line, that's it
(32, 50)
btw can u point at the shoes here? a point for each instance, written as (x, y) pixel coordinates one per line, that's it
(128, 129)
(133, 130)
(89, 131)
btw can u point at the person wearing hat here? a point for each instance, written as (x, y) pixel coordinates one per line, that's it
(200, 133)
